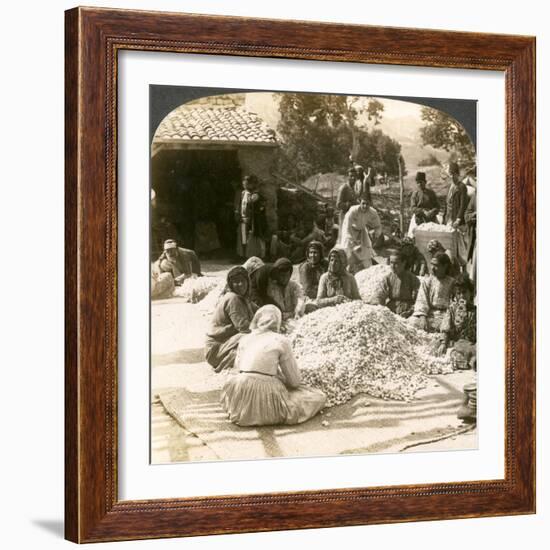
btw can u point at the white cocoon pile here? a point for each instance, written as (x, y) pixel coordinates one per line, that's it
(194, 289)
(358, 348)
(208, 304)
(369, 280)
(434, 227)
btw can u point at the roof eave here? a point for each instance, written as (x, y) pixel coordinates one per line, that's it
(184, 143)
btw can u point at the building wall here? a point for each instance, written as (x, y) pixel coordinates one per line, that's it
(260, 161)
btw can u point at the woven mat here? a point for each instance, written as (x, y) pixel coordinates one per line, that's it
(363, 425)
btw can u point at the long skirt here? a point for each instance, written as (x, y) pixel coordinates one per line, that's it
(249, 245)
(252, 399)
(221, 356)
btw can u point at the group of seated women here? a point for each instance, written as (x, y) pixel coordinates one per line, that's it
(259, 298)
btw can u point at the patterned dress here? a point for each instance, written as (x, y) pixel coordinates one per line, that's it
(460, 321)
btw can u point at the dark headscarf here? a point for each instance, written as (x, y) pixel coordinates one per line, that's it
(282, 265)
(253, 264)
(335, 283)
(316, 245)
(444, 261)
(341, 253)
(237, 271)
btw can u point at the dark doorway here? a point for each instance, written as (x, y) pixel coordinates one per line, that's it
(195, 199)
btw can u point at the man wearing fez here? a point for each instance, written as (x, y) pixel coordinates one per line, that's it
(424, 203)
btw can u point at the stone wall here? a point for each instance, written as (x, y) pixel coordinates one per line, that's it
(260, 161)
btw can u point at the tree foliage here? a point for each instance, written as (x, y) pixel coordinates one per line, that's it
(442, 131)
(430, 160)
(320, 132)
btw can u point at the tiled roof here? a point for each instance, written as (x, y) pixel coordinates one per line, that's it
(214, 125)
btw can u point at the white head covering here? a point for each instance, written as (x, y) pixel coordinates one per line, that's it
(170, 243)
(267, 318)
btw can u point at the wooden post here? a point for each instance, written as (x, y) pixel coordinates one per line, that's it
(401, 199)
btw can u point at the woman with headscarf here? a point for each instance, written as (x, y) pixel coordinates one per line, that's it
(435, 247)
(250, 215)
(459, 325)
(337, 286)
(287, 295)
(231, 320)
(268, 390)
(434, 295)
(271, 284)
(312, 269)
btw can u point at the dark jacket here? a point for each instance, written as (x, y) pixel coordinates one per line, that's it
(456, 202)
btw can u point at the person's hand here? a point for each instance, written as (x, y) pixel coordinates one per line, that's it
(309, 307)
(254, 197)
(457, 223)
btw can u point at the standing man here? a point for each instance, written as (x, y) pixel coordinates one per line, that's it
(346, 197)
(455, 208)
(457, 198)
(471, 221)
(424, 203)
(355, 238)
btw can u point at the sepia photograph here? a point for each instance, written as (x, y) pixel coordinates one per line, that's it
(313, 274)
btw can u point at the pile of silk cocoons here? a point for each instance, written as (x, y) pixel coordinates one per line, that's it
(434, 227)
(208, 304)
(369, 281)
(358, 348)
(194, 289)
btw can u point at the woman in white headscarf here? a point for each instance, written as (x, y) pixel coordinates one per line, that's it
(268, 390)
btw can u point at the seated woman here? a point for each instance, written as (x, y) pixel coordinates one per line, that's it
(435, 247)
(336, 286)
(267, 390)
(459, 325)
(398, 288)
(181, 263)
(231, 320)
(312, 269)
(434, 295)
(271, 284)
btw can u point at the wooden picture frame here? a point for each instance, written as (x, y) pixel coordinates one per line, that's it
(93, 511)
